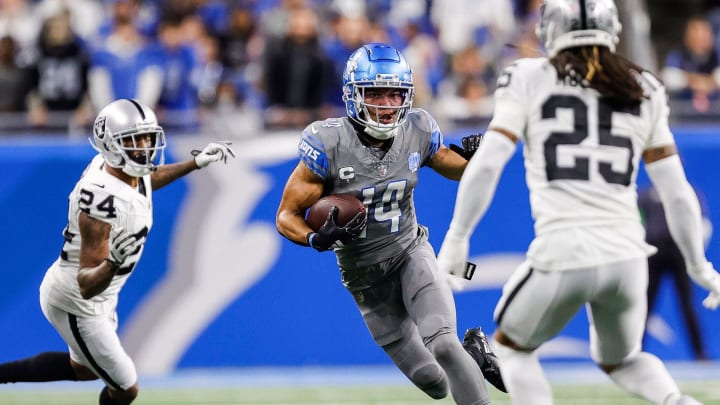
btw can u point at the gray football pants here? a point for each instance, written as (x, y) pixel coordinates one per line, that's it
(411, 315)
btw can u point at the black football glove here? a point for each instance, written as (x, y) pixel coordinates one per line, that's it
(331, 236)
(470, 144)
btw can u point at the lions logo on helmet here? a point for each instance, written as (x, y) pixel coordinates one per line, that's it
(127, 134)
(376, 66)
(569, 23)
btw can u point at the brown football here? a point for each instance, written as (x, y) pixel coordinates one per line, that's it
(348, 207)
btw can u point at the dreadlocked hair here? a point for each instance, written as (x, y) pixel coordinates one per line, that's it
(596, 67)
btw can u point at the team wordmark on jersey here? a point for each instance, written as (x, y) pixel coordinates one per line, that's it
(309, 150)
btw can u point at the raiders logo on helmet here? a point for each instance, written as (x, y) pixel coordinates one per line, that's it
(99, 126)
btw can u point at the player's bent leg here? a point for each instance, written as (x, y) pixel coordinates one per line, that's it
(48, 366)
(412, 358)
(466, 381)
(644, 375)
(522, 373)
(617, 320)
(430, 304)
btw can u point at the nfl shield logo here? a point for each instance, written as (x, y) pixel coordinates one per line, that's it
(382, 170)
(413, 162)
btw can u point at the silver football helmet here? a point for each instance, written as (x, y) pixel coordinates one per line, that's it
(127, 134)
(570, 23)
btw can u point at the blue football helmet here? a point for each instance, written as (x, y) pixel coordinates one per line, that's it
(376, 66)
(570, 23)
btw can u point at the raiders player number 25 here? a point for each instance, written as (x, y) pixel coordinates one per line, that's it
(585, 116)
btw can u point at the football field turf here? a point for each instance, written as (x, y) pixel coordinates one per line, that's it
(575, 394)
(572, 385)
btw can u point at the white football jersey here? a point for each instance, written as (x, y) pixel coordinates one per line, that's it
(582, 154)
(104, 197)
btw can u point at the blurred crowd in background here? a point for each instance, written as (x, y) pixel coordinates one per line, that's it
(244, 67)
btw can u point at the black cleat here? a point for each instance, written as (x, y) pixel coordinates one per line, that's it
(475, 342)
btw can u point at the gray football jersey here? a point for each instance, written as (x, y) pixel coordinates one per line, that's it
(384, 184)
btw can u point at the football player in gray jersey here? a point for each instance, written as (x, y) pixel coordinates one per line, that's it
(385, 259)
(109, 217)
(586, 117)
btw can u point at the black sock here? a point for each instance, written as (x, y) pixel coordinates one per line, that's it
(105, 397)
(48, 366)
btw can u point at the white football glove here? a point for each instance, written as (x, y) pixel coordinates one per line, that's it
(213, 152)
(122, 245)
(452, 260)
(707, 277)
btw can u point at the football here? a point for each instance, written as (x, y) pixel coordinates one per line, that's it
(348, 207)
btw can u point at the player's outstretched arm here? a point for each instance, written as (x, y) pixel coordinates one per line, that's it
(683, 214)
(213, 152)
(475, 192)
(469, 143)
(451, 162)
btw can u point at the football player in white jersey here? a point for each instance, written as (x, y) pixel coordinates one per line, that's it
(109, 217)
(385, 259)
(585, 116)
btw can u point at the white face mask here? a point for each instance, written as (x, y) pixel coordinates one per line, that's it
(378, 134)
(135, 170)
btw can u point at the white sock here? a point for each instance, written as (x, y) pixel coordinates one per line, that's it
(646, 376)
(679, 399)
(523, 376)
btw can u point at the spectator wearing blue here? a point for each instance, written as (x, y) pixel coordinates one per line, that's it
(125, 64)
(692, 72)
(178, 103)
(348, 33)
(214, 15)
(142, 14)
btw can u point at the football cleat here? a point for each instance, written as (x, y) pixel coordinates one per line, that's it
(475, 342)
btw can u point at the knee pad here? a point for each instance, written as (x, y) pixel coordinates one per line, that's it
(442, 344)
(630, 361)
(431, 380)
